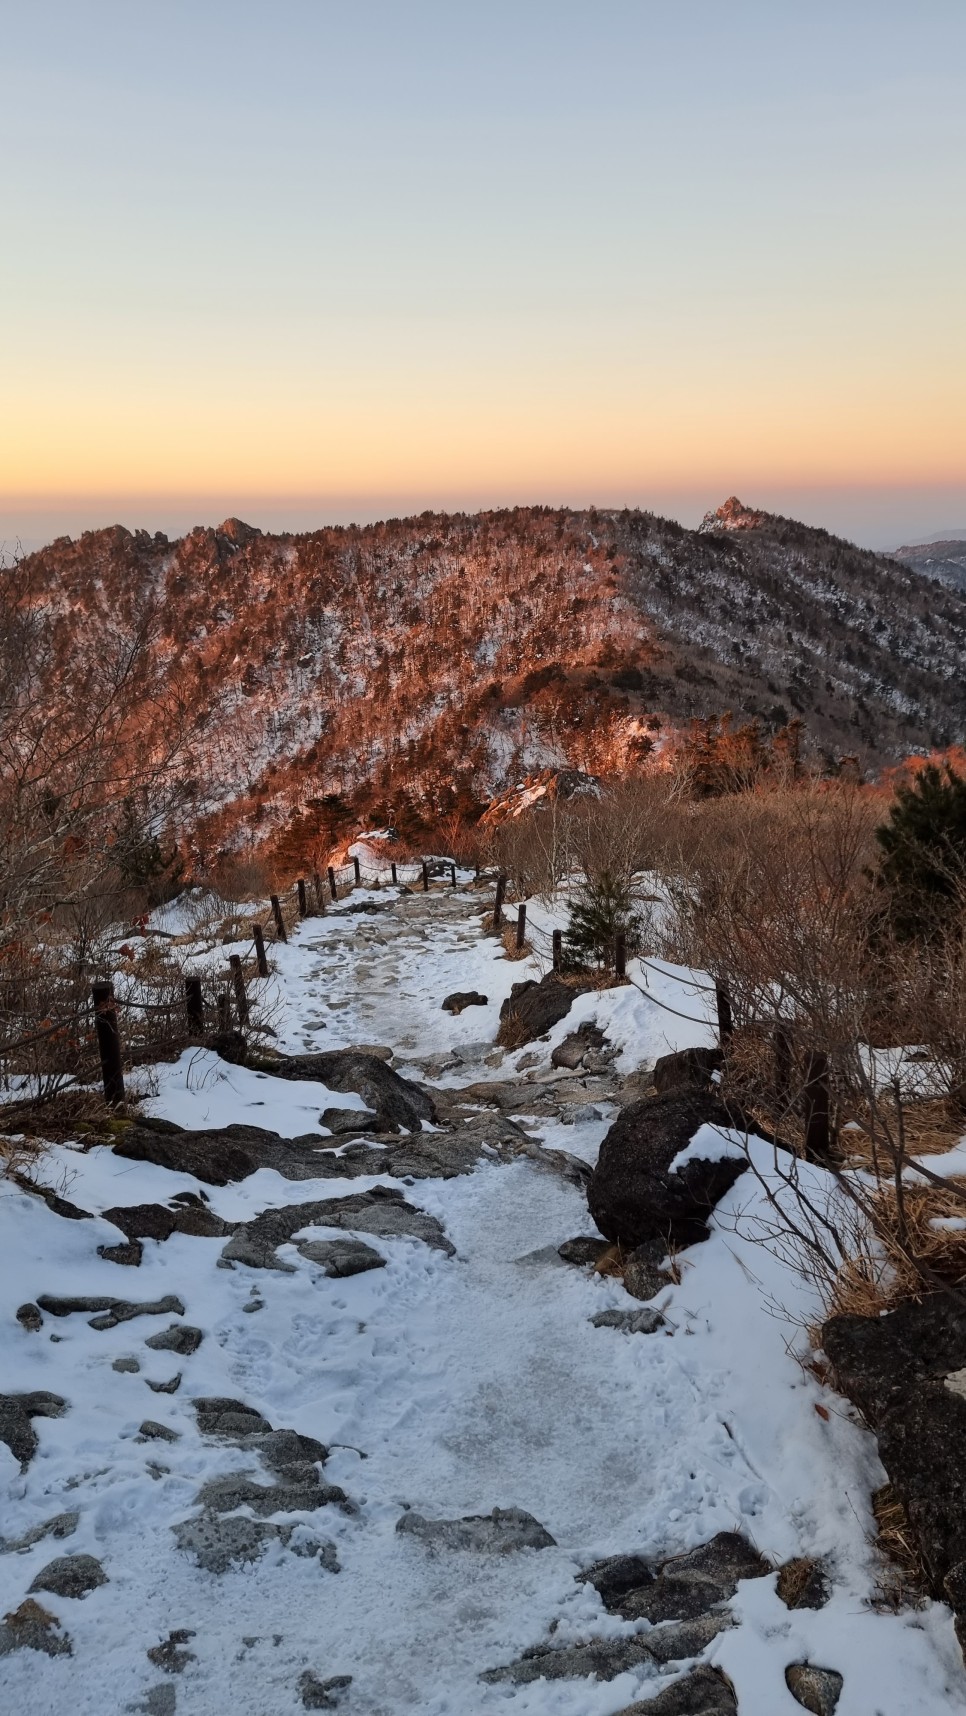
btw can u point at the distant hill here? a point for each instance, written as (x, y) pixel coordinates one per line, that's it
(941, 557)
(435, 660)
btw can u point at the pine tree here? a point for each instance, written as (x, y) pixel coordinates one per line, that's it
(924, 850)
(603, 911)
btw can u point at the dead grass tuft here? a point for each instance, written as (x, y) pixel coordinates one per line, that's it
(902, 1583)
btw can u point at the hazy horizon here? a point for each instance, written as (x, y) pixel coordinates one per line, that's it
(880, 520)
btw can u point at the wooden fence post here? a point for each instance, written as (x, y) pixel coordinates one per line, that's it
(279, 920)
(453, 874)
(392, 872)
(332, 887)
(358, 871)
(260, 954)
(815, 1102)
(108, 1042)
(303, 899)
(725, 1020)
(425, 877)
(620, 954)
(319, 892)
(194, 1002)
(521, 925)
(498, 902)
(224, 1012)
(558, 950)
(238, 983)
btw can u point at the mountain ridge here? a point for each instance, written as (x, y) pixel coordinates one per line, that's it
(434, 659)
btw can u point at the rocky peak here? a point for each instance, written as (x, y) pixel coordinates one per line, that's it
(732, 515)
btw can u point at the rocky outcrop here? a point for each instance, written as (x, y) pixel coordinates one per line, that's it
(703, 1692)
(634, 1196)
(532, 1009)
(906, 1372)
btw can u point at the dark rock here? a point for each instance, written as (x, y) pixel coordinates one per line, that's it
(498, 1533)
(154, 1432)
(32, 1627)
(55, 1203)
(532, 1009)
(156, 1221)
(129, 1254)
(181, 1338)
(383, 1211)
(643, 1322)
(129, 1365)
(815, 1689)
(803, 1584)
(634, 1197)
(220, 1416)
(113, 1311)
(607, 1658)
(169, 1387)
(349, 1121)
(582, 1251)
(703, 1692)
(400, 1104)
(340, 1257)
(906, 1372)
(681, 1589)
(570, 1053)
(686, 1069)
(16, 1429)
(319, 1694)
(62, 1525)
(618, 1575)
(217, 1157)
(171, 1654)
(70, 1576)
(644, 1277)
(302, 1492)
(29, 1318)
(462, 998)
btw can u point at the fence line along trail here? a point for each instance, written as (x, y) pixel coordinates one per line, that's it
(352, 1431)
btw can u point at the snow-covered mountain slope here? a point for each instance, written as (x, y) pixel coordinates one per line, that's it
(443, 1385)
(437, 659)
(944, 560)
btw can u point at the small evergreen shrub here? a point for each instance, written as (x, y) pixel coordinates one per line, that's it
(604, 909)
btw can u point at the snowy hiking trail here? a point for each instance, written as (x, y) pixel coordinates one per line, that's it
(446, 1385)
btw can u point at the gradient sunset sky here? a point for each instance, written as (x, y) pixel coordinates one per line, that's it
(306, 261)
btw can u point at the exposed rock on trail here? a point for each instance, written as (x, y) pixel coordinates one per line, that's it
(634, 1196)
(70, 1576)
(16, 1429)
(382, 1211)
(703, 1692)
(461, 999)
(32, 1627)
(401, 1105)
(113, 1311)
(220, 1541)
(501, 1532)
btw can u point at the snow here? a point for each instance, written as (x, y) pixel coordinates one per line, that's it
(451, 1385)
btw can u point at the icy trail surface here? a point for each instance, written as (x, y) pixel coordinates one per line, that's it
(442, 1385)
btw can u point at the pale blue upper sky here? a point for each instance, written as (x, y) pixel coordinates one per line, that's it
(384, 256)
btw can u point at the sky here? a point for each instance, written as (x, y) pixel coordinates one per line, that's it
(304, 262)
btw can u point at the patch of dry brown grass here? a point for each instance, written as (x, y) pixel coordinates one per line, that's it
(902, 1583)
